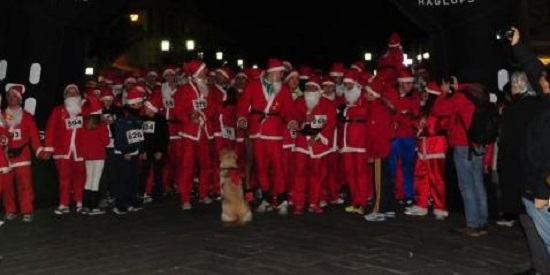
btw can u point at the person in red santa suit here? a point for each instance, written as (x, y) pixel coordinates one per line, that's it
(24, 138)
(292, 80)
(352, 143)
(152, 86)
(63, 138)
(197, 111)
(265, 108)
(317, 119)
(405, 106)
(173, 157)
(337, 73)
(332, 184)
(379, 135)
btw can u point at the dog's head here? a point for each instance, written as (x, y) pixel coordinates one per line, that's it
(228, 158)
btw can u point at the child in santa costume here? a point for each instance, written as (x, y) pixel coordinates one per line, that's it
(314, 142)
(95, 138)
(24, 138)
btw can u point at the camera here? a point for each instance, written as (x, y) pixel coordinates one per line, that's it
(504, 34)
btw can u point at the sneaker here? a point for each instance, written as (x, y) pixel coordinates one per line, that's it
(120, 211)
(338, 201)
(27, 218)
(10, 216)
(483, 230)
(263, 207)
(440, 215)
(316, 209)
(390, 214)
(96, 211)
(84, 211)
(506, 222)
(147, 199)
(104, 203)
(467, 231)
(79, 207)
(416, 211)
(323, 203)
(351, 209)
(1, 222)
(375, 217)
(282, 208)
(62, 210)
(134, 208)
(186, 206)
(207, 200)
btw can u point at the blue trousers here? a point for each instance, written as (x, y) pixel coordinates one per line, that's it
(403, 149)
(541, 219)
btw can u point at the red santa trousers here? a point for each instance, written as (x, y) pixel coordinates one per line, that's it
(289, 168)
(72, 175)
(171, 170)
(193, 153)
(268, 165)
(429, 180)
(22, 178)
(331, 183)
(309, 176)
(357, 173)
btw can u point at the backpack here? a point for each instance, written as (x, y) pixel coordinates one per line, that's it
(484, 128)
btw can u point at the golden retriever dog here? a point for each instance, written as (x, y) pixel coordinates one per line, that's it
(235, 208)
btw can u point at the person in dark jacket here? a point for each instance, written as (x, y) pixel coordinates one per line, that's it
(515, 119)
(155, 130)
(129, 148)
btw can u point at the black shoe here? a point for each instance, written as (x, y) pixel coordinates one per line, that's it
(466, 231)
(483, 230)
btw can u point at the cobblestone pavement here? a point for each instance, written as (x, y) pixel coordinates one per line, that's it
(164, 240)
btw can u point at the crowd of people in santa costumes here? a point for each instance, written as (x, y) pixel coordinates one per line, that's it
(305, 139)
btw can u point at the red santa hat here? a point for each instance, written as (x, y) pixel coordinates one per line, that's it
(130, 80)
(135, 95)
(106, 94)
(358, 65)
(327, 80)
(305, 71)
(152, 73)
(288, 65)
(153, 104)
(274, 65)
(433, 88)
(93, 106)
(241, 74)
(375, 88)
(405, 75)
(194, 67)
(350, 76)
(18, 89)
(337, 69)
(70, 86)
(394, 41)
(293, 73)
(314, 80)
(226, 72)
(168, 70)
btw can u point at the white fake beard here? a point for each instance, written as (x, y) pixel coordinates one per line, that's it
(277, 85)
(72, 104)
(16, 116)
(352, 95)
(202, 85)
(311, 99)
(340, 90)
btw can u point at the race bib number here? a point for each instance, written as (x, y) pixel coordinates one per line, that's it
(199, 104)
(134, 136)
(318, 121)
(15, 134)
(74, 123)
(169, 103)
(149, 127)
(228, 133)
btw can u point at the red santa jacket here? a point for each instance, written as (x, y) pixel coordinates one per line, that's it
(461, 111)
(153, 91)
(23, 135)
(336, 101)
(379, 133)
(226, 123)
(431, 145)
(289, 136)
(64, 134)
(95, 141)
(4, 143)
(406, 109)
(267, 116)
(352, 127)
(192, 100)
(324, 121)
(168, 109)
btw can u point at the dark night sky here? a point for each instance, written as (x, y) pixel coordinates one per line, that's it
(304, 31)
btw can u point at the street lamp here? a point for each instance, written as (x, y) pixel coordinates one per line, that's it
(419, 57)
(165, 45)
(406, 60)
(368, 56)
(426, 55)
(134, 17)
(240, 63)
(190, 45)
(89, 71)
(219, 55)
(255, 66)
